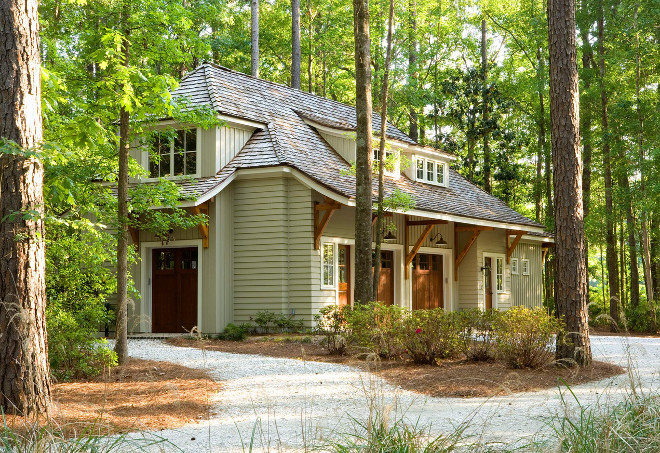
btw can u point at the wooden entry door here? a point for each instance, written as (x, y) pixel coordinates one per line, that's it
(386, 280)
(174, 289)
(427, 282)
(488, 282)
(344, 282)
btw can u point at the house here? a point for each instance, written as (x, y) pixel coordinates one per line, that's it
(280, 202)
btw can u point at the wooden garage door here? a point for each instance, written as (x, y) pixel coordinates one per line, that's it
(174, 290)
(427, 282)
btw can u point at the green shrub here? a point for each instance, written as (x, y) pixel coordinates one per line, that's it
(269, 322)
(429, 335)
(377, 326)
(73, 349)
(476, 333)
(331, 324)
(525, 338)
(234, 333)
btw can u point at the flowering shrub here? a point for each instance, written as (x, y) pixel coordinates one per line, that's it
(377, 326)
(331, 324)
(429, 335)
(525, 338)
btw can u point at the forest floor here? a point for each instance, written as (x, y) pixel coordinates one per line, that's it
(139, 395)
(451, 378)
(282, 404)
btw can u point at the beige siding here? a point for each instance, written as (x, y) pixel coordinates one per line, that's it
(526, 290)
(228, 142)
(345, 146)
(468, 274)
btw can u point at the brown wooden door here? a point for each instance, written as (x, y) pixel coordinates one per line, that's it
(174, 290)
(427, 282)
(488, 283)
(344, 265)
(386, 280)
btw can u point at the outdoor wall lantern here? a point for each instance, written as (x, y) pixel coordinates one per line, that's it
(440, 242)
(389, 236)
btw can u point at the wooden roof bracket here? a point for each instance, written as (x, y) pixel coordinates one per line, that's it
(411, 254)
(512, 247)
(330, 206)
(476, 230)
(135, 235)
(203, 229)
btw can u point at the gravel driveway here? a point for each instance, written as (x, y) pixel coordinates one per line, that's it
(286, 405)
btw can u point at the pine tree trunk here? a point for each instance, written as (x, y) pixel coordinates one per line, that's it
(540, 86)
(485, 100)
(585, 129)
(364, 156)
(295, 44)
(612, 268)
(412, 68)
(381, 151)
(570, 270)
(254, 54)
(24, 370)
(121, 342)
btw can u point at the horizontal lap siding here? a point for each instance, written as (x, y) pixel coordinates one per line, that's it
(468, 274)
(526, 290)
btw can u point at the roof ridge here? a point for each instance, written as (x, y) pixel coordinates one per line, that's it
(208, 86)
(274, 140)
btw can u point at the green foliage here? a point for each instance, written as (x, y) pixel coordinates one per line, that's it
(269, 322)
(477, 341)
(331, 324)
(377, 327)
(429, 335)
(525, 337)
(234, 333)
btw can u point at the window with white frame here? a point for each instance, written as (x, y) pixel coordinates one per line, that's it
(391, 164)
(499, 274)
(173, 154)
(524, 264)
(430, 171)
(514, 266)
(328, 265)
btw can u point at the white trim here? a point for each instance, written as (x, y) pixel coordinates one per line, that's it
(144, 159)
(514, 266)
(334, 285)
(233, 121)
(434, 160)
(146, 277)
(493, 277)
(522, 266)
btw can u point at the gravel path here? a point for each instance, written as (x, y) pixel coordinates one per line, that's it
(286, 405)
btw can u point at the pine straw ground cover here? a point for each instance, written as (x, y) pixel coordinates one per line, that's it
(451, 378)
(142, 394)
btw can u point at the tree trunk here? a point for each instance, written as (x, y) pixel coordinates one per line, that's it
(381, 151)
(24, 370)
(485, 100)
(412, 68)
(570, 271)
(364, 156)
(121, 341)
(585, 129)
(311, 48)
(540, 86)
(254, 55)
(295, 44)
(632, 242)
(612, 268)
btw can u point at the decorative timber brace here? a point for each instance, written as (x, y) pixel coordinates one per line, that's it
(510, 248)
(410, 255)
(328, 208)
(203, 229)
(476, 230)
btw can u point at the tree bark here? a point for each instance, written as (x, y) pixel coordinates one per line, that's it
(585, 129)
(364, 156)
(121, 341)
(570, 271)
(254, 55)
(381, 151)
(612, 268)
(485, 100)
(24, 369)
(540, 86)
(295, 44)
(412, 68)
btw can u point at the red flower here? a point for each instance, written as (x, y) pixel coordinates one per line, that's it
(418, 330)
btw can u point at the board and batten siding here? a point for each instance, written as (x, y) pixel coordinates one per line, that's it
(345, 146)
(526, 290)
(272, 248)
(228, 142)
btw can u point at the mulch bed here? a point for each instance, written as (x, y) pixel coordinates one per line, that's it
(451, 378)
(141, 394)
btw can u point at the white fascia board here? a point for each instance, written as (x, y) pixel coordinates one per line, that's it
(528, 238)
(431, 152)
(350, 133)
(240, 122)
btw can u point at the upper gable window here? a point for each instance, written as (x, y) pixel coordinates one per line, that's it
(173, 154)
(431, 171)
(391, 161)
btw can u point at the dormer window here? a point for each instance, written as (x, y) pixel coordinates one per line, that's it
(173, 154)
(430, 171)
(392, 164)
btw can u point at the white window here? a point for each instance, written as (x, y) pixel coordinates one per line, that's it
(499, 274)
(389, 159)
(514, 266)
(173, 154)
(524, 264)
(431, 171)
(328, 265)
